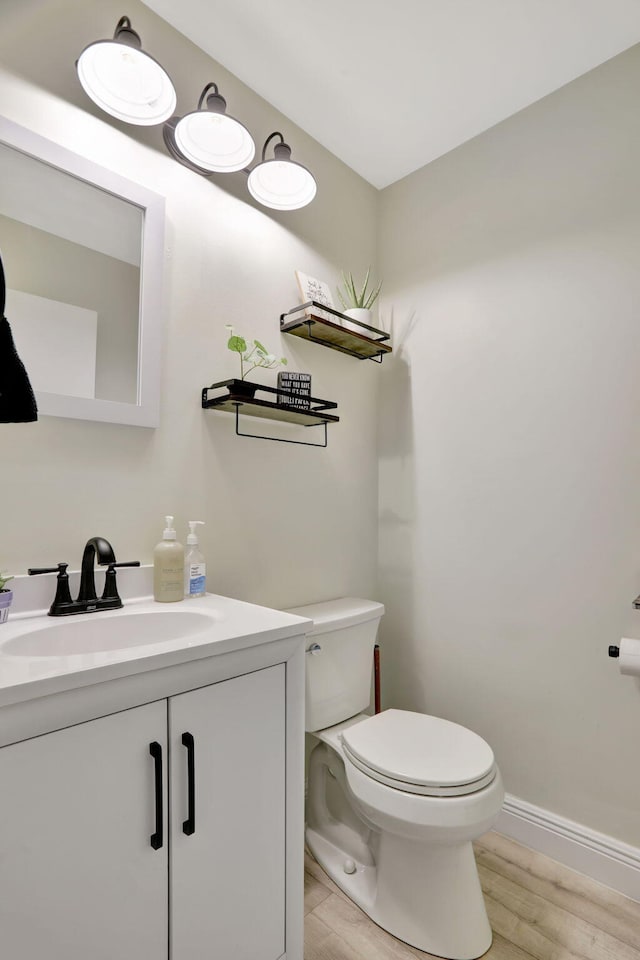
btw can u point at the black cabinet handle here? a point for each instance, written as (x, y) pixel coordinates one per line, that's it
(156, 752)
(189, 825)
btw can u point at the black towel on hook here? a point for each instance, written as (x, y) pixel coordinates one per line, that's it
(17, 401)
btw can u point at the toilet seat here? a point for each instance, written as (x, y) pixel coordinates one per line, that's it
(419, 754)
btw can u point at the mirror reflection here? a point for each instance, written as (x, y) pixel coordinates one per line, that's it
(72, 256)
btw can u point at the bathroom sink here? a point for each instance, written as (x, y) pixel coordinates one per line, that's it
(95, 634)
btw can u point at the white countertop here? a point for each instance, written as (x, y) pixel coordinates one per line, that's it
(231, 625)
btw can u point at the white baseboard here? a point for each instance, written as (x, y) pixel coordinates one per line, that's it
(603, 858)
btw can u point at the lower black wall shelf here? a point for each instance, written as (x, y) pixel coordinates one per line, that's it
(239, 396)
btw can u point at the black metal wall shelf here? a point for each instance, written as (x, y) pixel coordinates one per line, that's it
(368, 345)
(239, 395)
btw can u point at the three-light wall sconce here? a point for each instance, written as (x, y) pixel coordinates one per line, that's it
(130, 85)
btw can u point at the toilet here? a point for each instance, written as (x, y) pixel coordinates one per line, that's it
(395, 799)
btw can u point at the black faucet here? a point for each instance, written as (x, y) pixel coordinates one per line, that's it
(96, 549)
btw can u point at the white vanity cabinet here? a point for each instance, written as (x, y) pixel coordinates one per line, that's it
(78, 877)
(227, 878)
(90, 867)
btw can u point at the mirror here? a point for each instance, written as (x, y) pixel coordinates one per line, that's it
(83, 252)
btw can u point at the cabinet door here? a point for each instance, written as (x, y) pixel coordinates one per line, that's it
(227, 877)
(79, 878)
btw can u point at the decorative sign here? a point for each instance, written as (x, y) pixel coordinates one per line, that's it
(312, 289)
(297, 383)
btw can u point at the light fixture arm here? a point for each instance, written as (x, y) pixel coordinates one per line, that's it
(279, 149)
(124, 33)
(209, 86)
(215, 102)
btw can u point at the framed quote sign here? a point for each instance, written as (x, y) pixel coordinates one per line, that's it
(312, 289)
(298, 384)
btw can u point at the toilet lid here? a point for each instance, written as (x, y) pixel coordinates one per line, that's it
(419, 753)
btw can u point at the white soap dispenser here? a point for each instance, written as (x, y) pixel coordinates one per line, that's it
(195, 568)
(168, 566)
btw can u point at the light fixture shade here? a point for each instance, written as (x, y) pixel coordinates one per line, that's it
(210, 140)
(124, 81)
(281, 183)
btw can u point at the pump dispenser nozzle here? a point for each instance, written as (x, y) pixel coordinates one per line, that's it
(192, 539)
(169, 531)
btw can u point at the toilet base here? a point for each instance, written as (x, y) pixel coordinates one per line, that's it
(359, 886)
(429, 897)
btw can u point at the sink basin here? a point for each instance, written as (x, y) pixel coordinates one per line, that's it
(86, 634)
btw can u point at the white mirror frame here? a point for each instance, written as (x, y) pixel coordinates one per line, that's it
(146, 411)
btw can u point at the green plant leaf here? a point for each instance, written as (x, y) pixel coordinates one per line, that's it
(373, 296)
(363, 293)
(284, 361)
(347, 296)
(352, 296)
(3, 580)
(351, 288)
(260, 347)
(237, 344)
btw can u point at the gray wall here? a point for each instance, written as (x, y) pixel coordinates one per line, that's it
(510, 444)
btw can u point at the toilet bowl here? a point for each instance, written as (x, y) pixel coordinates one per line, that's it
(395, 799)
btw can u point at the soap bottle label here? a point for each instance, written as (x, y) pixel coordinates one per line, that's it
(197, 578)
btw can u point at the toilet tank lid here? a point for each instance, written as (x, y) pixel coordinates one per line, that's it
(337, 614)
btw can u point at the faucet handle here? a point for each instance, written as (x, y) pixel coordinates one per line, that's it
(60, 569)
(62, 600)
(110, 591)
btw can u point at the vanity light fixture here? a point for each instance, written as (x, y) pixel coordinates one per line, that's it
(281, 183)
(130, 85)
(124, 81)
(207, 140)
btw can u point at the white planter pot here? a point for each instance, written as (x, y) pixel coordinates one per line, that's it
(362, 316)
(6, 599)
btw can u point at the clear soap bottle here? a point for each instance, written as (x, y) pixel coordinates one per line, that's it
(195, 568)
(168, 567)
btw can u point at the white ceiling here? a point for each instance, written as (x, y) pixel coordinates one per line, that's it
(389, 85)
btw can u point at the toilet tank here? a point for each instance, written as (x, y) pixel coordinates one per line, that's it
(338, 676)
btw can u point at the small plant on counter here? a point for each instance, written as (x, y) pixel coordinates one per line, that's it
(255, 356)
(6, 597)
(3, 581)
(362, 299)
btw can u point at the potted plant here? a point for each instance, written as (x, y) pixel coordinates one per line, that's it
(250, 358)
(357, 301)
(6, 597)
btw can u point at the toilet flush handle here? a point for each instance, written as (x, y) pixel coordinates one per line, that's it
(315, 649)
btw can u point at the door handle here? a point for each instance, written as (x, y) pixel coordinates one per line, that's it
(189, 825)
(156, 838)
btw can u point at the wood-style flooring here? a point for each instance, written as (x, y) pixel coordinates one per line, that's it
(539, 910)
